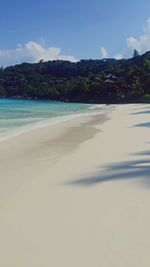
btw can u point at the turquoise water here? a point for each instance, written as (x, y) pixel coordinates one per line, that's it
(17, 116)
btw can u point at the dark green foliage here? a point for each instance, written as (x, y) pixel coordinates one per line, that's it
(2, 91)
(97, 81)
(135, 53)
(146, 98)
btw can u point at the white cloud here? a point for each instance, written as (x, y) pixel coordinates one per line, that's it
(119, 56)
(142, 43)
(31, 52)
(103, 52)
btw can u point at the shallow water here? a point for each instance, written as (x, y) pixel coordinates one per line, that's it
(17, 116)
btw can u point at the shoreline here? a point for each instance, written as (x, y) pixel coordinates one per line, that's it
(53, 121)
(132, 102)
(77, 193)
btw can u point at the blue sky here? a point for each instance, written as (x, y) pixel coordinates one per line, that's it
(67, 29)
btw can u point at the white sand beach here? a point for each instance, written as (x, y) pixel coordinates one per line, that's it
(78, 193)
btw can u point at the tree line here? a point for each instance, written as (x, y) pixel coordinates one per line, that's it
(94, 81)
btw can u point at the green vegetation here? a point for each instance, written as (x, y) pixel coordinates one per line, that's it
(146, 98)
(95, 81)
(135, 53)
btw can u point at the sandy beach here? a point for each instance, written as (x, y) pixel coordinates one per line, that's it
(77, 193)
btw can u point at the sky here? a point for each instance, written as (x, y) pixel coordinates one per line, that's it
(72, 29)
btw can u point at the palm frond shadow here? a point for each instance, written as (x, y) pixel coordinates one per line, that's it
(134, 169)
(141, 112)
(145, 124)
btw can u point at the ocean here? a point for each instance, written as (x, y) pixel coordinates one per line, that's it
(18, 116)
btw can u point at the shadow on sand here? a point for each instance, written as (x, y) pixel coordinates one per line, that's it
(134, 169)
(145, 124)
(126, 170)
(141, 112)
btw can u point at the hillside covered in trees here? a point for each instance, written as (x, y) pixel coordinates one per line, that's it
(95, 81)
